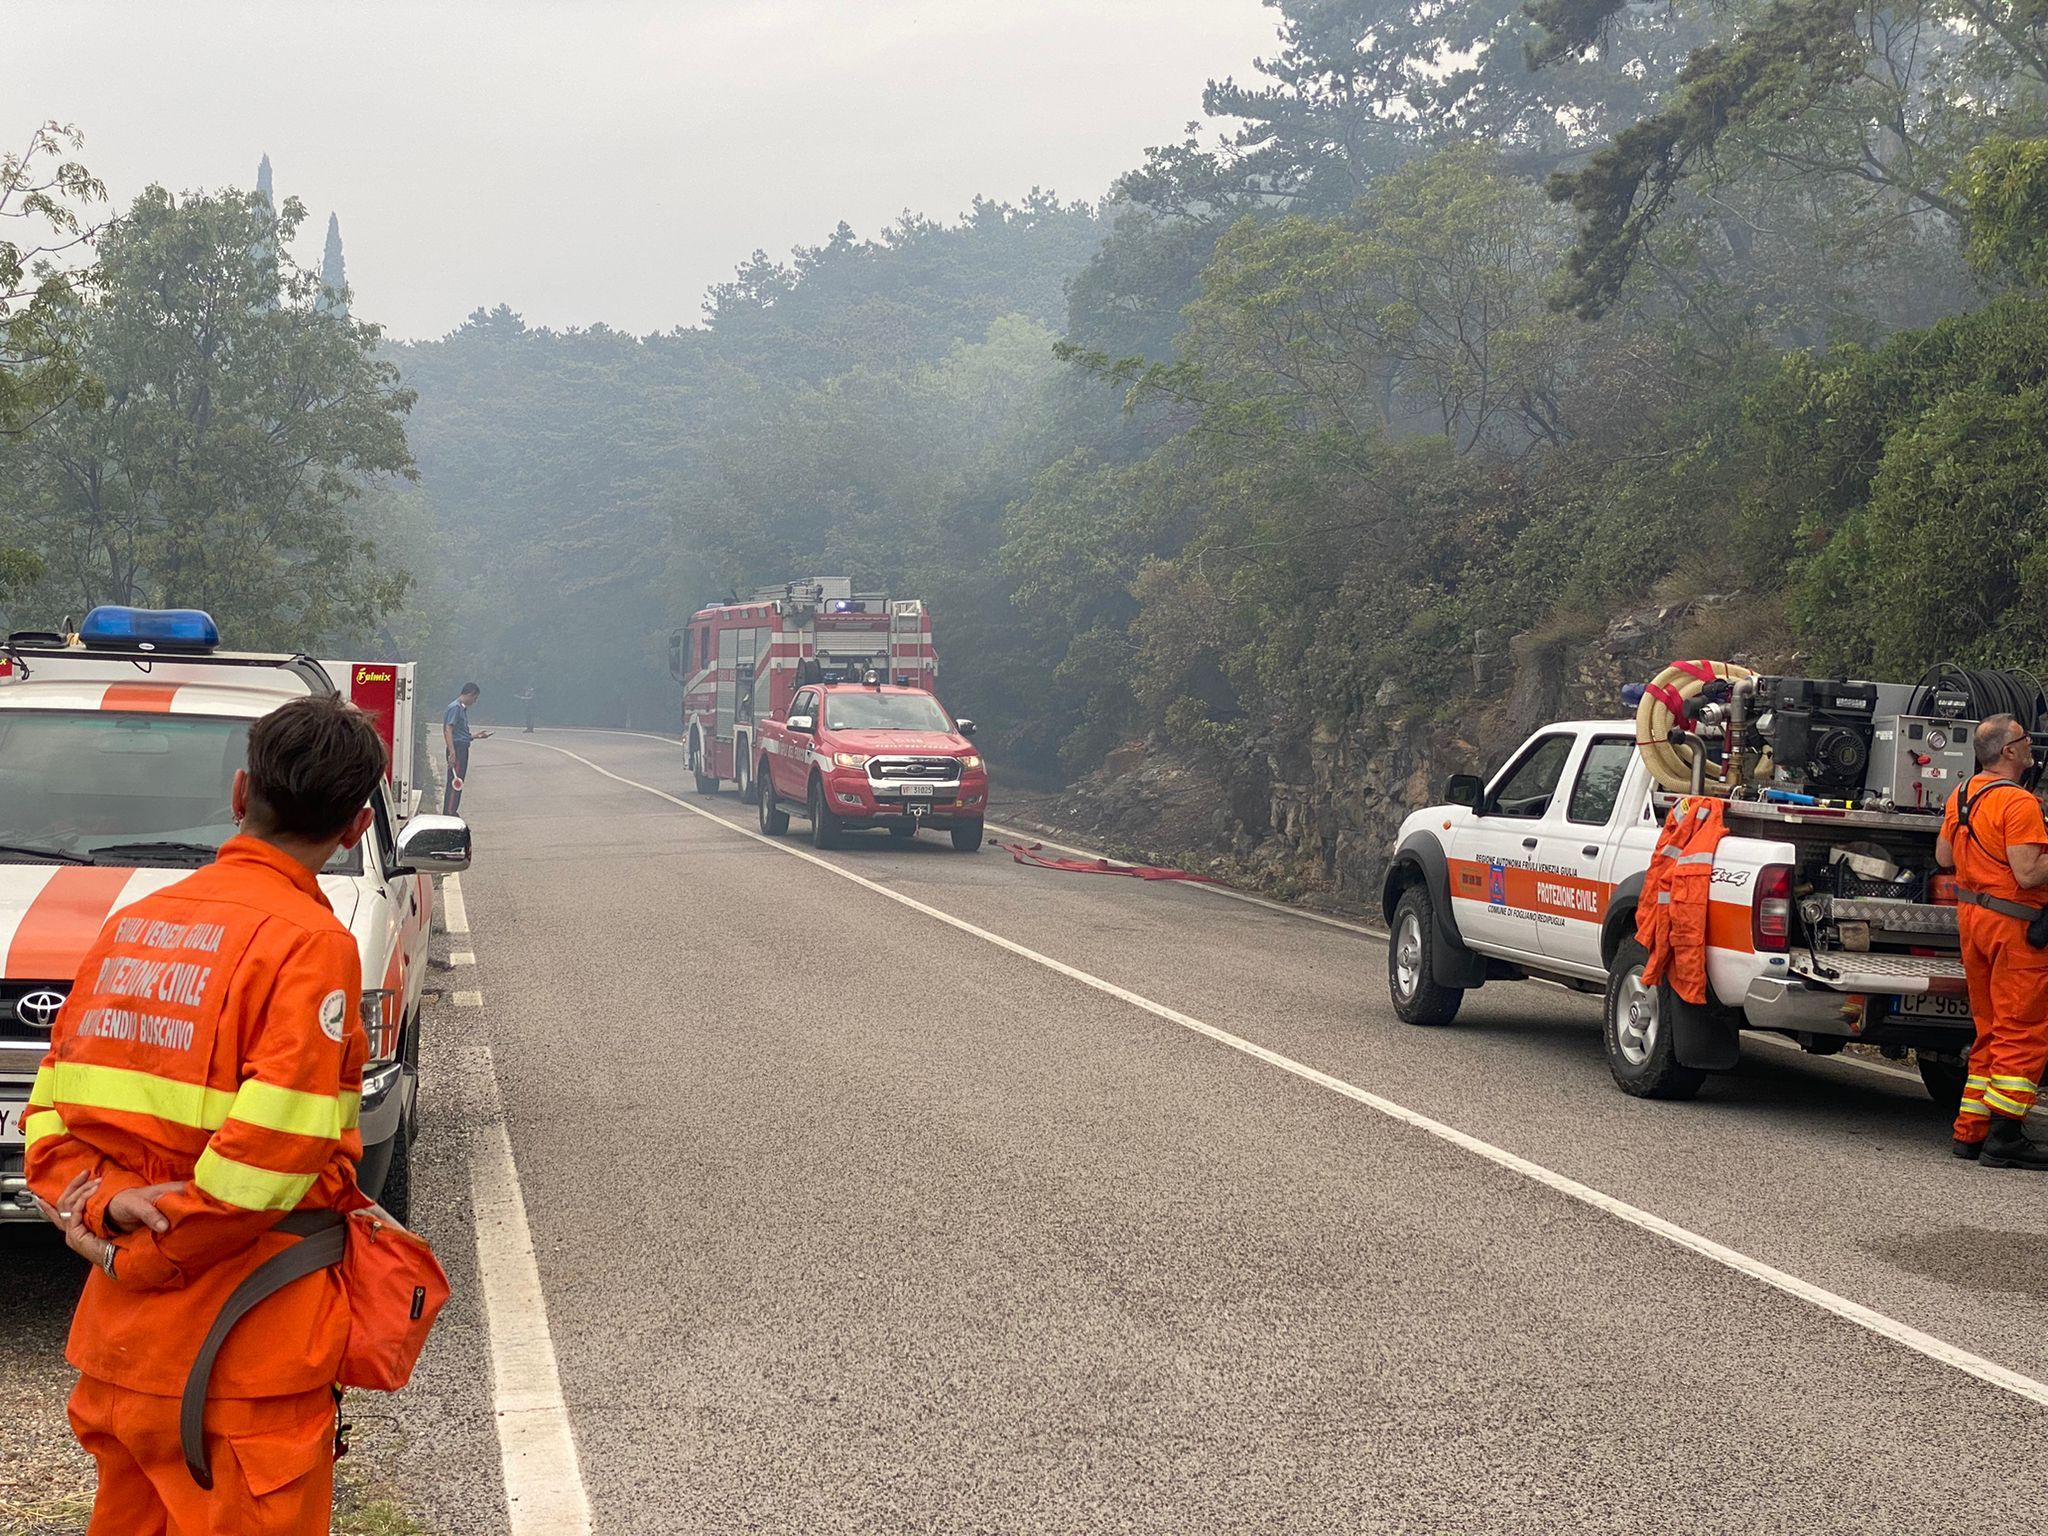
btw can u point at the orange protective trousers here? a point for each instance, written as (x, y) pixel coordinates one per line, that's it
(272, 1460)
(2009, 1000)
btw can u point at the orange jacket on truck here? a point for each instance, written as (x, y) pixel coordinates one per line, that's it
(1673, 911)
(212, 1041)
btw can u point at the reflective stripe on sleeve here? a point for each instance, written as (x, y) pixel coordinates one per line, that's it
(250, 1187)
(351, 1108)
(44, 1094)
(142, 1093)
(286, 1109)
(45, 1122)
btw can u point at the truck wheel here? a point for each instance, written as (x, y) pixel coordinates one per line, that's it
(1638, 1033)
(1411, 973)
(966, 836)
(1944, 1079)
(824, 825)
(707, 783)
(396, 1195)
(774, 819)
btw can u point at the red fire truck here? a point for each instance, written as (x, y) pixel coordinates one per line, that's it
(740, 662)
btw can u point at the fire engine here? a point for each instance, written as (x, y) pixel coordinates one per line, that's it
(741, 662)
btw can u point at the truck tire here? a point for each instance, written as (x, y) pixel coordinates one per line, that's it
(396, 1194)
(774, 819)
(1411, 972)
(1944, 1079)
(707, 784)
(824, 825)
(1638, 1033)
(966, 836)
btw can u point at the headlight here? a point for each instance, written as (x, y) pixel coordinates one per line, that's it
(380, 1022)
(970, 762)
(849, 759)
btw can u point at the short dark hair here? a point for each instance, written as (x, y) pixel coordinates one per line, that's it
(312, 765)
(471, 689)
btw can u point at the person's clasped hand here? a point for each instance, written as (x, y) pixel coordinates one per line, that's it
(130, 1209)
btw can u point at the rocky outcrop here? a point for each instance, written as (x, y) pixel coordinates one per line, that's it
(1314, 816)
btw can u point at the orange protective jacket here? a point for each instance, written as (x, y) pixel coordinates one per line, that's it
(1672, 912)
(2008, 977)
(213, 1041)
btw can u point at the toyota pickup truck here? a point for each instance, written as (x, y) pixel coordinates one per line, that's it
(118, 749)
(1536, 873)
(851, 755)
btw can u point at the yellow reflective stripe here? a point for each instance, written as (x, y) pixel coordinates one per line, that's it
(2022, 1084)
(142, 1093)
(351, 1108)
(1973, 1107)
(252, 1188)
(287, 1109)
(1998, 1100)
(44, 1094)
(1978, 1082)
(45, 1122)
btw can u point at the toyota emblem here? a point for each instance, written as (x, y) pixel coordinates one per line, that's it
(39, 1010)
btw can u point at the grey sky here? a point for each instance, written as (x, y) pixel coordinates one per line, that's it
(607, 161)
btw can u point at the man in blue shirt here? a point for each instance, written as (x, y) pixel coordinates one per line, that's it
(456, 737)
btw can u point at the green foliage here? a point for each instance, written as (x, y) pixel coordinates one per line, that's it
(2005, 182)
(237, 430)
(44, 201)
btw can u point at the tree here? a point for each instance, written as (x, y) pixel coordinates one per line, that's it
(333, 272)
(44, 200)
(239, 426)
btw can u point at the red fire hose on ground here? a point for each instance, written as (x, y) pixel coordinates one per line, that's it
(1033, 854)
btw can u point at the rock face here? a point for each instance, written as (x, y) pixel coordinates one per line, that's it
(1315, 816)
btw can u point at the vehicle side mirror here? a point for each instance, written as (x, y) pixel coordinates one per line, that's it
(1464, 789)
(675, 655)
(966, 727)
(807, 724)
(434, 845)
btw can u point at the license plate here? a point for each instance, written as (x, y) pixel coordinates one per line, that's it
(11, 1111)
(1935, 1005)
(917, 791)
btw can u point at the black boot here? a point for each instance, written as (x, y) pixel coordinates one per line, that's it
(2008, 1146)
(1970, 1149)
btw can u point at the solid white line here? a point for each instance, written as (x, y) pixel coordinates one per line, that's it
(536, 1445)
(1939, 1350)
(454, 915)
(468, 999)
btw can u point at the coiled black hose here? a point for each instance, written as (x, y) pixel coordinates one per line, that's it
(1991, 691)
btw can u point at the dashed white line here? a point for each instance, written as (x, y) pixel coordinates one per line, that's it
(454, 914)
(468, 999)
(1901, 1333)
(461, 957)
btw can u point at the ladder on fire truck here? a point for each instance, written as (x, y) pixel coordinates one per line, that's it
(906, 638)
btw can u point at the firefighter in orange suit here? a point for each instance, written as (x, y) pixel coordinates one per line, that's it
(1994, 838)
(205, 1078)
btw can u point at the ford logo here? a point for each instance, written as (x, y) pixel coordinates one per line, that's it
(39, 1010)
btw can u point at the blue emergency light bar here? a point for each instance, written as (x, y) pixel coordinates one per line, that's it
(148, 629)
(846, 605)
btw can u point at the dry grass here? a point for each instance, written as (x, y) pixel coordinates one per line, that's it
(1751, 629)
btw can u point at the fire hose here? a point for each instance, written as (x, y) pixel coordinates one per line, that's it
(1033, 854)
(1665, 705)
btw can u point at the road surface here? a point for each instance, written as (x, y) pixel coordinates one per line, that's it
(966, 1196)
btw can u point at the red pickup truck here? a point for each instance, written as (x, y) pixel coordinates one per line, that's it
(864, 755)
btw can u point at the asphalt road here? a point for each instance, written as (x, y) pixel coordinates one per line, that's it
(850, 1219)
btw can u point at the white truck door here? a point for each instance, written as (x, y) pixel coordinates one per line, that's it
(1494, 856)
(1573, 881)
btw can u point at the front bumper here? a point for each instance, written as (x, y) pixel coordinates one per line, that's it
(853, 796)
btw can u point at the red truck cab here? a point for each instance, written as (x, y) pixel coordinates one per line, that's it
(868, 755)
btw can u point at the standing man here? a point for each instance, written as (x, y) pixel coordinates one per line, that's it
(1994, 838)
(202, 1081)
(527, 697)
(456, 737)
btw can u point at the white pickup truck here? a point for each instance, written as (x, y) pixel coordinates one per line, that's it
(117, 752)
(1536, 872)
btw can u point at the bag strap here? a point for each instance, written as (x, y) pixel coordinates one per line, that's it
(322, 1240)
(1967, 802)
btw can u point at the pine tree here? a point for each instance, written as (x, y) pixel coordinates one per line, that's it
(333, 273)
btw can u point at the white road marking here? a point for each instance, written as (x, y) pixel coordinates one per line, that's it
(461, 957)
(1926, 1344)
(454, 915)
(468, 999)
(536, 1445)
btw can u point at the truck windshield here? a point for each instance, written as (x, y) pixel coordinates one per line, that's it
(151, 789)
(884, 712)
